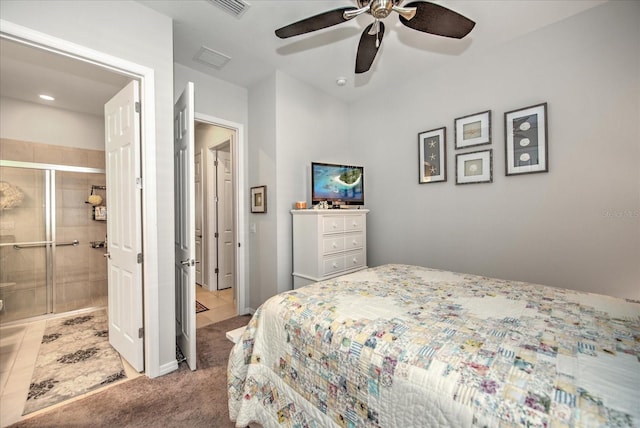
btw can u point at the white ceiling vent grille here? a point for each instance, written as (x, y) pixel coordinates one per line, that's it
(211, 58)
(234, 7)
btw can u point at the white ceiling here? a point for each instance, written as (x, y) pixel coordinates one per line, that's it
(317, 58)
(321, 57)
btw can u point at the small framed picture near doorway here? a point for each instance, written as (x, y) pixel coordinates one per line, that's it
(259, 199)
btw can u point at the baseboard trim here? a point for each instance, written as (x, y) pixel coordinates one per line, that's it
(167, 368)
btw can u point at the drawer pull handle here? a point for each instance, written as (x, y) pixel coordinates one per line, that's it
(355, 261)
(334, 245)
(354, 242)
(334, 265)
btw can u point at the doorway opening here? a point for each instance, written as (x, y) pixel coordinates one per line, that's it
(88, 65)
(216, 201)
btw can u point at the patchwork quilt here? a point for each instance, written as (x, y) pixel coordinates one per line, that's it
(407, 346)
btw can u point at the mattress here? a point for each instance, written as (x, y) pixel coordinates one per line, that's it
(408, 346)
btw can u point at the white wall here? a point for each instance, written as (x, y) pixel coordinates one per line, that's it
(142, 36)
(577, 226)
(292, 125)
(213, 97)
(262, 171)
(310, 126)
(33, 122)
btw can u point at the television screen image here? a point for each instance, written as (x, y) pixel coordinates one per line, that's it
(338, 184)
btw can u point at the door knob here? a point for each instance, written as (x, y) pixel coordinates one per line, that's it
(188, 262)
(107, 255)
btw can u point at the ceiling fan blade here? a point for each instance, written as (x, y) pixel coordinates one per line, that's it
(435, 19)
(313, 23)
(368, 48)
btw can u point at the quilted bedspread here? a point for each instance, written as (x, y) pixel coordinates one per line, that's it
(406, 346)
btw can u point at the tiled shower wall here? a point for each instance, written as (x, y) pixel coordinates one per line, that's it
(80, 271)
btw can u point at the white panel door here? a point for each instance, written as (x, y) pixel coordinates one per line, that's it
(197, 172)
(185, 247)
(124, 224)
(226, 262)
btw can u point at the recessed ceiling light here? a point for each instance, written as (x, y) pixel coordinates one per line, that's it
(46, 97)
(341, 81)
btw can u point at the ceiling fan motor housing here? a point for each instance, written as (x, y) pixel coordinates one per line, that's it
(379, 9)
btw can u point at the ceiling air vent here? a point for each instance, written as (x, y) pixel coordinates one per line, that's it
(234, 7)
(211, 58)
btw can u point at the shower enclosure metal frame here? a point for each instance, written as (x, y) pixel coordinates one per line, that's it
(49, 242)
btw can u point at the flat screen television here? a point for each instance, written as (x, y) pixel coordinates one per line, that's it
(337, 184)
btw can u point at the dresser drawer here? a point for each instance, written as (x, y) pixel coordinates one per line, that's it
(332, 224)
(333, 265)
(353, 242)
(354, 260)
(343, 262)
(354, 223)
(333, 244)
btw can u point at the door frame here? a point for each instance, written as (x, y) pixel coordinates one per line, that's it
(146, 77)
(238, 151)
(213, 217)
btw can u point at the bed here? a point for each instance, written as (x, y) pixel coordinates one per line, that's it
(408, 346)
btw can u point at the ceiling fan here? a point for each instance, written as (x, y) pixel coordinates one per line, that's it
(418, 15)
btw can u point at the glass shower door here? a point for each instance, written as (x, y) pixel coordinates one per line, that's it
(25, 242)
(80, 270)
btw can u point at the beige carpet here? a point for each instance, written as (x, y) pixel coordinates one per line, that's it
(180, 399)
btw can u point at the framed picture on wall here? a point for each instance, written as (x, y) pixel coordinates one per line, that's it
(474, 167)
(473, 130)
(259, 199)
(432, 154)
(526, 142)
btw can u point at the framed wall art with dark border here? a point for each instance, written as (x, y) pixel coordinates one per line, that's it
(259, 199)
(474, 167)
(473, 130)
(432, 154)
(526, 141)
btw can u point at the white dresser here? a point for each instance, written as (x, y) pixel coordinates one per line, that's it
(328, 243)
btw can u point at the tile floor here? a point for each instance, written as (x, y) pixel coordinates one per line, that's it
(220, 304)
(19, 345)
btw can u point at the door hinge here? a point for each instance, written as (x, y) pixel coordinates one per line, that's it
(140, 258)
(217, 271)
(140, 332)
(215, 163)
(137, 106)
(215, 235)
(139, 182)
